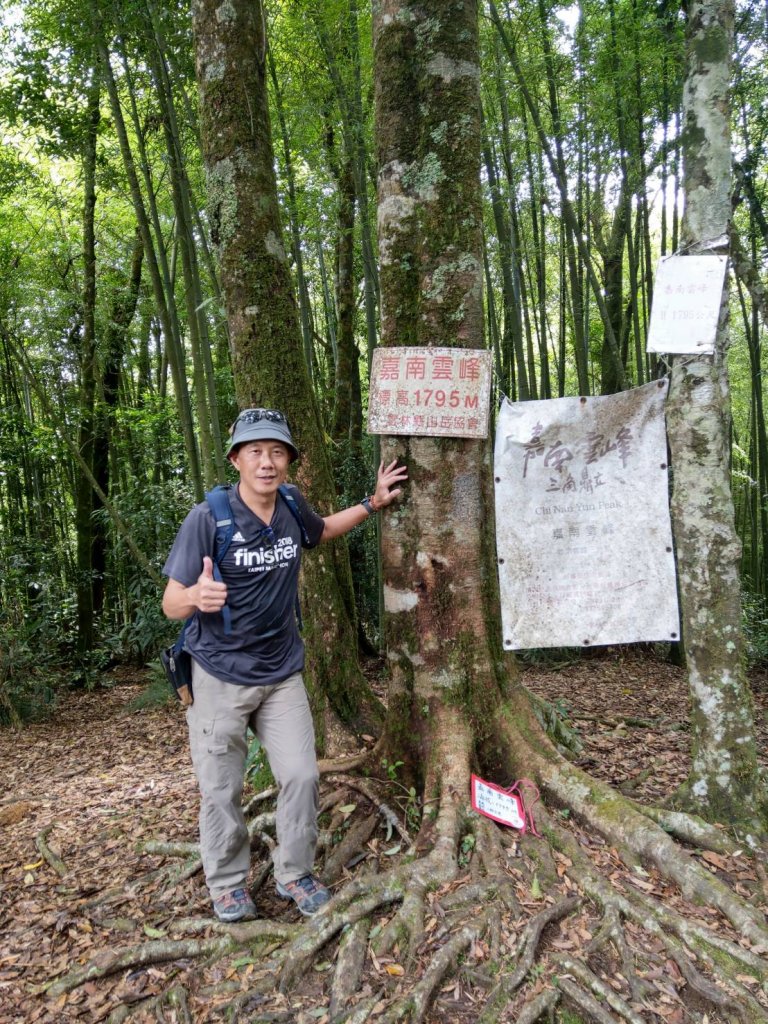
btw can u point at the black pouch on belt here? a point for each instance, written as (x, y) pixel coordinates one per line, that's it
(177, 665)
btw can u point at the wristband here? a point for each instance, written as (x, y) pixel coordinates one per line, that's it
(368, 505)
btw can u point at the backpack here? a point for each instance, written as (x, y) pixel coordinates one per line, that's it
(177, 662)
(218, 502)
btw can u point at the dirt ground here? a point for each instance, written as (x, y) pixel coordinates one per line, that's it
(97, 781)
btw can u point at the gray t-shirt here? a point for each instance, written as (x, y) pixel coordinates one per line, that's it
(261, 574)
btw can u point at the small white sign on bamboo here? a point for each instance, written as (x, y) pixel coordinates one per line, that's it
(687, 296)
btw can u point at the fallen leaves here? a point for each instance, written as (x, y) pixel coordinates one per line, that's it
(114, 781)
(14, 813)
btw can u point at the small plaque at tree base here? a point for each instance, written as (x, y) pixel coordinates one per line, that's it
(497, 803)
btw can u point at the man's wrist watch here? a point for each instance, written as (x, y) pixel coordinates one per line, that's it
(368, 505)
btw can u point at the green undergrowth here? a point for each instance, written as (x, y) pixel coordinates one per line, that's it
(156, 693)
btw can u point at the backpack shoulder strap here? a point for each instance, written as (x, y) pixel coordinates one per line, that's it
(289, 498)
(221, 510)
(286, 493)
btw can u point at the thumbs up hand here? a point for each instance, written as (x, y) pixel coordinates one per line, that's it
(211, 596)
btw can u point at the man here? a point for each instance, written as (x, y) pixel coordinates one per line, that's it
(249, 673)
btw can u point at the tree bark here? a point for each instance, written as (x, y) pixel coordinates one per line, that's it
(346, 420)
(265, 338)
(351, 107)
(512, 336)
(436, 546)
(724, 783)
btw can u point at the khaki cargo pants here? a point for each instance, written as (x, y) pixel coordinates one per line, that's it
(280, 717)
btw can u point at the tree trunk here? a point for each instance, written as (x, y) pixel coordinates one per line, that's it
(84, 495)
(115, 345)
(571, 235)
(346, 419)
(150, 254)
(206, 401)
(267, 354)
(436, 546)
(613, 276)
(351, 107)
(724, 783)
(305, 308)
(512, 336)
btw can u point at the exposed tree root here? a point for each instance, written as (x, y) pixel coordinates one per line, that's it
(358, 1014)
(638, 839)
(565, 738)
(628, 787)
(46, 852)
(694, 831)
(166, 950)
(175, 998)
(165, 849)
(353, 948)
(675, 932)
(593, 916)
(525, 956)
(662, 723)
(534, 1009)
(590, 983)
(585, 1003)
(352, 763)
(349, 848)
(702, 986)
(414, 1004)
(611, 931)
(392, 820)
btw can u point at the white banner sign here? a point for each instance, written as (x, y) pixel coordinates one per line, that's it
(583, 532)
(686, 304)
(443, 392)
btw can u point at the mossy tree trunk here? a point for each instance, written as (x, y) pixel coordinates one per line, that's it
(86, 597)
(265, 338)
(724, 783)
(438, 572)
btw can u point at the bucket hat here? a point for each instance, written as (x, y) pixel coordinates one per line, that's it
(261, 425)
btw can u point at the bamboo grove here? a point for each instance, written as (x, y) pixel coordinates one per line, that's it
(115, 375)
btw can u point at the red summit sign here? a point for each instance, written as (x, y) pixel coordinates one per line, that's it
(435, 391)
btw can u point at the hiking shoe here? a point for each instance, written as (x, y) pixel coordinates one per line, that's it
(308, 893)
(234, 906)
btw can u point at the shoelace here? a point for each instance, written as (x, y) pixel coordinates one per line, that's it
(236, 896)
(308, 885)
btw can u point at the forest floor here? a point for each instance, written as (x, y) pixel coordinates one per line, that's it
(98, 780)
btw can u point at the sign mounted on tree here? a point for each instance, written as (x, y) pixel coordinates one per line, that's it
(686, 304)
(583, 532)
(440, 392)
